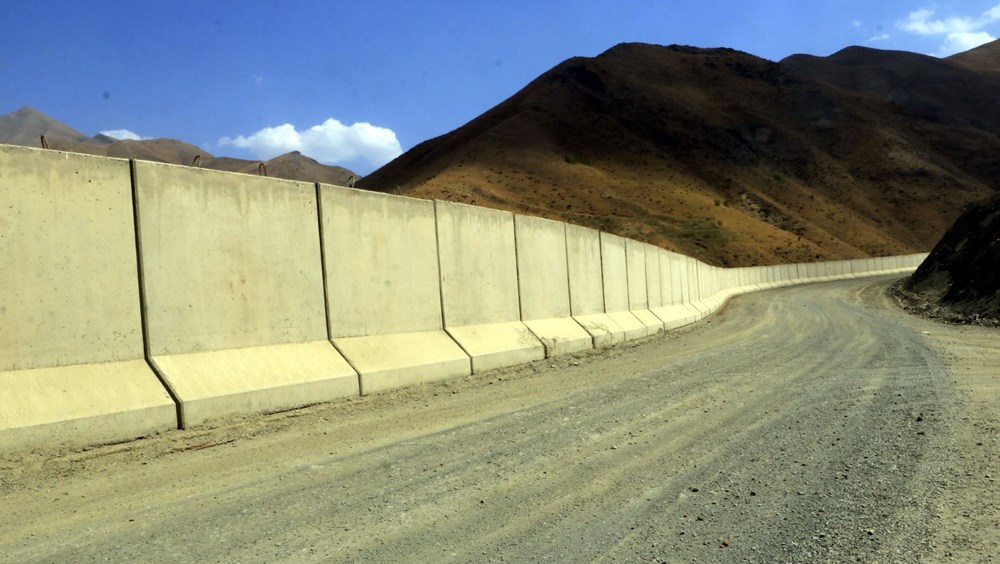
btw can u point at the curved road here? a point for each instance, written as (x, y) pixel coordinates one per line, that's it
(814, 423)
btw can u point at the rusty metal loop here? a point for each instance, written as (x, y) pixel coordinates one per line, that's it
(45, 144)
(261, 170)
(196, 161)
(351, 180)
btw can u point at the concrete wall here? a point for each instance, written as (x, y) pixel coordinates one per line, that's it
(234, 292)
(72, 365)
(638, 295)
(586, 286)
(135, 301)
(614, 268)
(543, 285)
(383, 289)
(479, 286)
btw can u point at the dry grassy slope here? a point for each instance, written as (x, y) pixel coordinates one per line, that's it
(983, 58)
(711, 152)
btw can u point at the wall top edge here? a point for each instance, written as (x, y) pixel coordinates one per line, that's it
(7, 148)
(369, 193)
(55, 152)
(461, 205)
(223, 173)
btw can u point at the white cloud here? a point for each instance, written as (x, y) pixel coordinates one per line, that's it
(961, 33)
(857, 24)
(880, 37)
(331, 142)
(958, 42)
(123, 134)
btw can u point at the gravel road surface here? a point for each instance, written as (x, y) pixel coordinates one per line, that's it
(815, 423)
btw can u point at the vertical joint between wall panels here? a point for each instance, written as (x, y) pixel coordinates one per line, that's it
(322, 262)
(143, 308)
(517, 271)
(569, 286)
(437, 256)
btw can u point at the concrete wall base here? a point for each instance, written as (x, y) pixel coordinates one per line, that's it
(560, 335)
(602, 329)
(496, 345)
(82, 404)
(634, 329)
(256, 379)
(653, 324)
(674, 316)
(391, 361)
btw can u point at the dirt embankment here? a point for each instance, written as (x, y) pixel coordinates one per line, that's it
(960, 280)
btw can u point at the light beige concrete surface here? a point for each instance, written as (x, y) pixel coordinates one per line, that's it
(232, 266)
(602, 329)
(654, 288)
(616, 290)
(638, 293)
(694, 296)
(479, 286)
(660, 291)
(586, 286)
(681, 292)
(402, 359)
(82, 404)
(71, 349)
(268, 378)
(496, 345)
(560, 335)
(543, 284)
(383, 288)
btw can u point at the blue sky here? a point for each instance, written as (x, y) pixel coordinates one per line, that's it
(354, 83)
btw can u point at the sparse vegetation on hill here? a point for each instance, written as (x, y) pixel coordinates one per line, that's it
(728, 157)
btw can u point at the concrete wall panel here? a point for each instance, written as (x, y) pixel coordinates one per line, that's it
(384, 290)
(71, 350)
(616, 300)
(586, 286)
(638, 293)
(232, 270)
(543, 282)
(479, 286)
(673, 312)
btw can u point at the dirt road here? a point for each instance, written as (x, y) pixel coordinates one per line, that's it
(817, 423)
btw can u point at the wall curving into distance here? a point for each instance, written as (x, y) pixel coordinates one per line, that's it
(137, 297)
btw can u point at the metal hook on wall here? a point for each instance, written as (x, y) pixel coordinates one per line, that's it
(196, 161)
(261, 170)
(45, 144)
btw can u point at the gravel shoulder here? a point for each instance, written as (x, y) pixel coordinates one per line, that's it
(814, 423)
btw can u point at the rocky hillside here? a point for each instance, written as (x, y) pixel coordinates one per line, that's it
(960, 280)
(729, 157)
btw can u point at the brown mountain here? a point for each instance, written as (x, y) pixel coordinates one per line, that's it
(27, 125)
(729, 157)
(290, 166)
(983, 58)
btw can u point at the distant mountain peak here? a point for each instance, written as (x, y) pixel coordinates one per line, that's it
(26, 125)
